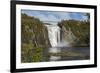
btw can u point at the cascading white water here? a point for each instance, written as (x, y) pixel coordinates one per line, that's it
(54, 38)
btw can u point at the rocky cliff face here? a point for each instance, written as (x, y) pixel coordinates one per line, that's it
(68, 36)
(76, 33)
(34, 31)
(34, 39)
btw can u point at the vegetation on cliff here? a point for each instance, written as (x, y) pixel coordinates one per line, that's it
(34, 39)
(76, 32)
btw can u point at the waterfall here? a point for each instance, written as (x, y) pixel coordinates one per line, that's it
(54, 38)
(54, 34)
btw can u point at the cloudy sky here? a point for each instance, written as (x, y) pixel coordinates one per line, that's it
(55, 16)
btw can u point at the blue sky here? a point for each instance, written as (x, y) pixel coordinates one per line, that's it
(55, 16)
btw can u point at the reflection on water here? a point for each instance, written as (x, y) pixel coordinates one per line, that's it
(68, 53)
(54, 50)
(55, 58)
(76, 53)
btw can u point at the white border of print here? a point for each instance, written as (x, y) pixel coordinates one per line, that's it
(20, 65)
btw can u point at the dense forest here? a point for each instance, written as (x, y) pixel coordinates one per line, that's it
(34, 36)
